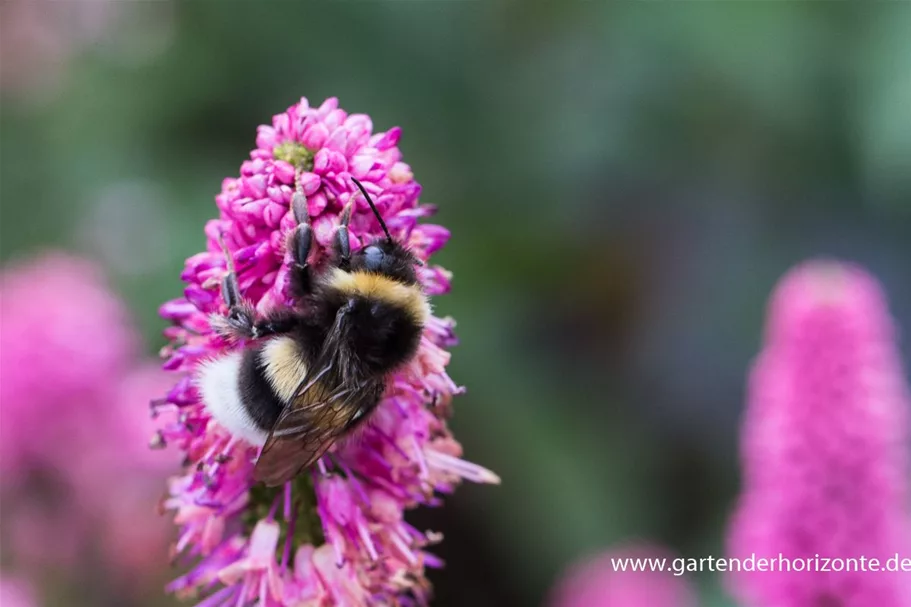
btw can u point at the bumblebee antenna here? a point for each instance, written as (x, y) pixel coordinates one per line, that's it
(373, 206)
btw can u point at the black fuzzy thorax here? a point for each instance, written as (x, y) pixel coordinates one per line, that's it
(380, 335)
(358, 340)
(367, 337)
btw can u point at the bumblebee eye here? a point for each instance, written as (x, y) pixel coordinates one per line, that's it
(373, 258)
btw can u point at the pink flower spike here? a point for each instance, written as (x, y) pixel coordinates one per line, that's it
(825, 446)
(336, 534)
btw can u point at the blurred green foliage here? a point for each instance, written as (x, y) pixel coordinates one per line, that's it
(624, 183)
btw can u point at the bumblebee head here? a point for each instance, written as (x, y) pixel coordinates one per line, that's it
(388, 258)
(385, 256)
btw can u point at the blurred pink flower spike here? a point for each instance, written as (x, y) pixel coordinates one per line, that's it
(600, 581)
(16, 593)
(825, 445)
(65, 340)
(336, 535)
(74, 434)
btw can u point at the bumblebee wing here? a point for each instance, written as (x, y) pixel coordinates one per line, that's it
(283, 458)
(304, 432)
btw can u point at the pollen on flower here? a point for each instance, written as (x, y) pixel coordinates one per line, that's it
(295, 154)
(337, 534)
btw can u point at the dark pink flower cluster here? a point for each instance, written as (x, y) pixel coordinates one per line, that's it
(337, 534)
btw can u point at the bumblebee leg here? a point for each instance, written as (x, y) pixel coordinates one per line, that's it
(230, 290)
(274, 323)
(299, 243)
(240, 322)
(342, 243)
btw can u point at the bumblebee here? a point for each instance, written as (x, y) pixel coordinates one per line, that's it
(313, 372)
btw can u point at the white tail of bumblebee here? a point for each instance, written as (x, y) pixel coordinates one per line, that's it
(218, 382)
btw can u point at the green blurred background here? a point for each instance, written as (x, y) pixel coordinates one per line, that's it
(624, 183)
